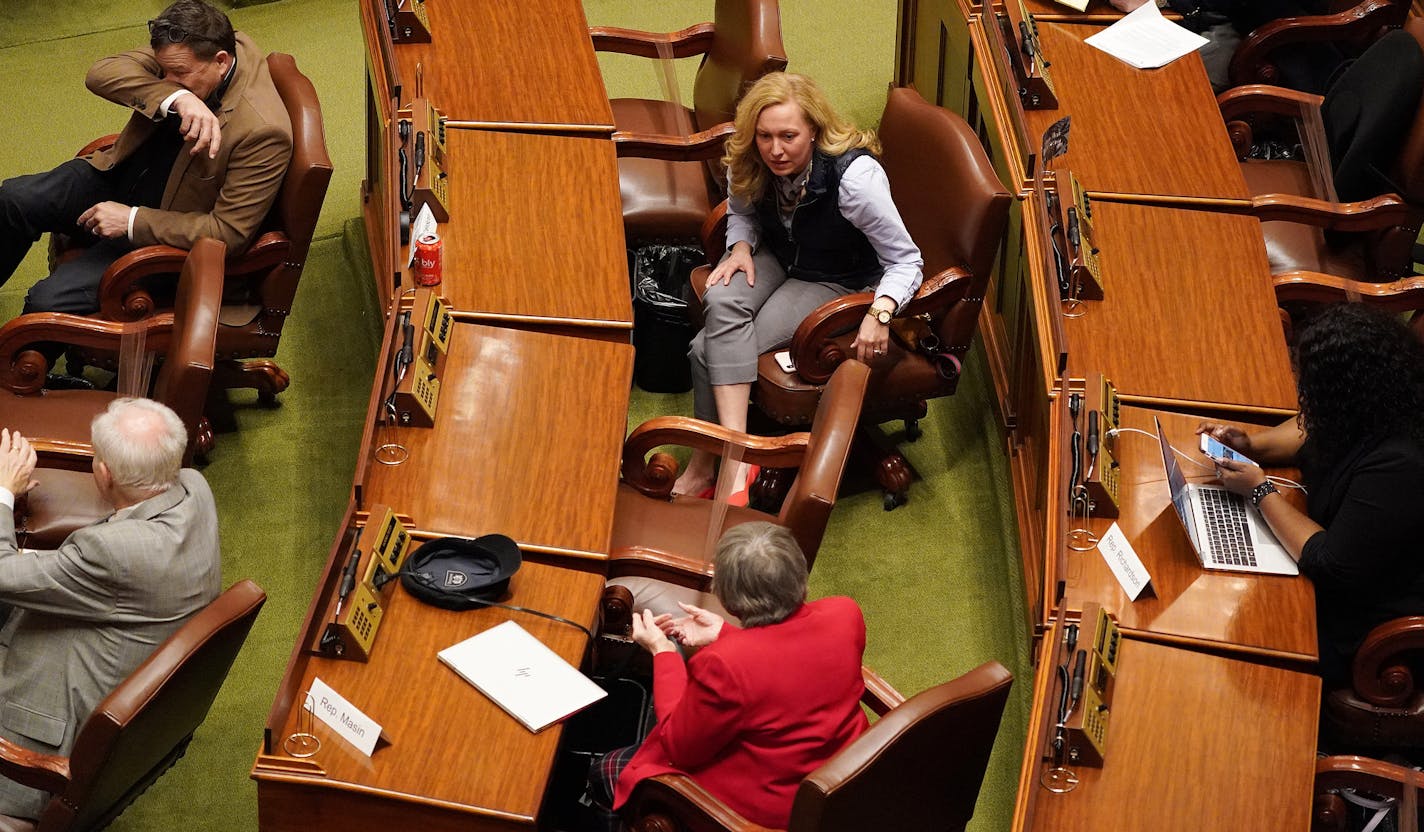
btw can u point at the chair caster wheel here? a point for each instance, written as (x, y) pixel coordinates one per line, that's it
(912, 429)
(890, 501)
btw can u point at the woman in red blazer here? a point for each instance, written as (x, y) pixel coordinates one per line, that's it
(760, 706)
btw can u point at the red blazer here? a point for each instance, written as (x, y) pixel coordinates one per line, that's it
(750, 715)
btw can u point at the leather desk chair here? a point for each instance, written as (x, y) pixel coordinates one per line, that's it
(57, 421)
(919, 767)
(261, 281)
(141, 729)
(662, 537)
(1372, 124)
(956, 211)
(667, 191)
(1383, 707)
(1350, 24)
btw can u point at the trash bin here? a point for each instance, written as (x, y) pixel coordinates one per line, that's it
(661, 331)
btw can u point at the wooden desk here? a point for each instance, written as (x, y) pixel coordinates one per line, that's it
(526, 442)
(1194, 742)
(1188, 314)
(1137, 131)
(495, 65)
(1145, 132)
(1269, 617)
(456, 761)
(535, 236)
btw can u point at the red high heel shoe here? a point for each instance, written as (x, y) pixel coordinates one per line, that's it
(742, 497)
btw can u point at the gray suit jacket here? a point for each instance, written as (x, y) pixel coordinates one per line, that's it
(84, 616)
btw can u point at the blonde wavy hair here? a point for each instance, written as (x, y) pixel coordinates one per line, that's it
(834, 135)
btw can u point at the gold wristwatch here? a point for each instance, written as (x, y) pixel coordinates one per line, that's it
(882, 316)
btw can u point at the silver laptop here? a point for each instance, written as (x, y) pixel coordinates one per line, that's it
(1225, 532)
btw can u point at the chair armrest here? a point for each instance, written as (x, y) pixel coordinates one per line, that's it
(684, 43)
(655, 477)
(1251, 99)
(699, 146)
(1252, 65)
(1402, 295)
(1373, 214)
(22, 370)
(101, 143)
(880, 696)
(714, 233)
(813, 350)
(817, 354)
(36, 769)
(1329, 812)
(675, 801)
(120, 298)
(662, 566)
(1380, 673)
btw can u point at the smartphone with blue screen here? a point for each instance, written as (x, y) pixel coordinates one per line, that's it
(1213, 448)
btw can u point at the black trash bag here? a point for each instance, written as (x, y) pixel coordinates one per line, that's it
(661, 330)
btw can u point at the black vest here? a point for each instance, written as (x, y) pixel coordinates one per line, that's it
(823, 246)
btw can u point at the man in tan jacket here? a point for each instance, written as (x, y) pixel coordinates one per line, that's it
(203, 155)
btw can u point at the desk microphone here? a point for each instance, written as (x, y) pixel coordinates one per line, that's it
(348, 580)
(407, 350)
(1092, 443)
(1075, 403)
(1075, 238)
(1075, 691)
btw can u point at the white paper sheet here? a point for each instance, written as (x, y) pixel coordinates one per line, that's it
(1145, 39)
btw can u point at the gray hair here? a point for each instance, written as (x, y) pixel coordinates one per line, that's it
(759, 573)
(142, 442)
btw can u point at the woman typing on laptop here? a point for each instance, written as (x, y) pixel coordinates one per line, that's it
(1359, 442)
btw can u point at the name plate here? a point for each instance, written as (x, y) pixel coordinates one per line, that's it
(341, 716)
(1126, 566)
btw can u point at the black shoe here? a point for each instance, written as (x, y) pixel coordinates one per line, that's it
(55, 381)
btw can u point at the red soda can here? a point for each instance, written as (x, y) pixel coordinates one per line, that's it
(429, 260)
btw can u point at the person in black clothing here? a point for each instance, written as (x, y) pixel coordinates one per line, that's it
(1226, 23)
(1359, 442)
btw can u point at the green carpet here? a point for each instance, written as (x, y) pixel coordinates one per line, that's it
(938, 578)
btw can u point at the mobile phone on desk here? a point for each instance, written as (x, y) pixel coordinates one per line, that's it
(1212, 447)
(783, 360)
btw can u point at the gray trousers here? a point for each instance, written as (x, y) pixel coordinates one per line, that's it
(741, 322)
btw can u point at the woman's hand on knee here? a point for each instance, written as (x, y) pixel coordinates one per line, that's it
(739, 259)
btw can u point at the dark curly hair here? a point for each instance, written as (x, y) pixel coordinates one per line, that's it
(1359, 374)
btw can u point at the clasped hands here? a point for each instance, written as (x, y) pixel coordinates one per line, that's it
(656, 633)
(17, 463)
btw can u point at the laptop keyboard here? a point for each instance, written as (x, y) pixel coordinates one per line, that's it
(1228, 534)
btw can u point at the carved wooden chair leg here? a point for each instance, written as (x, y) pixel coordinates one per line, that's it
(262, 375)
(892, 471)
(771, 488)
(206, 439)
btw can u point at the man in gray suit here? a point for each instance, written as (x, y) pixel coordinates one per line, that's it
(84, 616)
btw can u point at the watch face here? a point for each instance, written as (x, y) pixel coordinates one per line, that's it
(883, 316)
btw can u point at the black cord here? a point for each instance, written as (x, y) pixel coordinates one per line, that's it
(390, 576)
